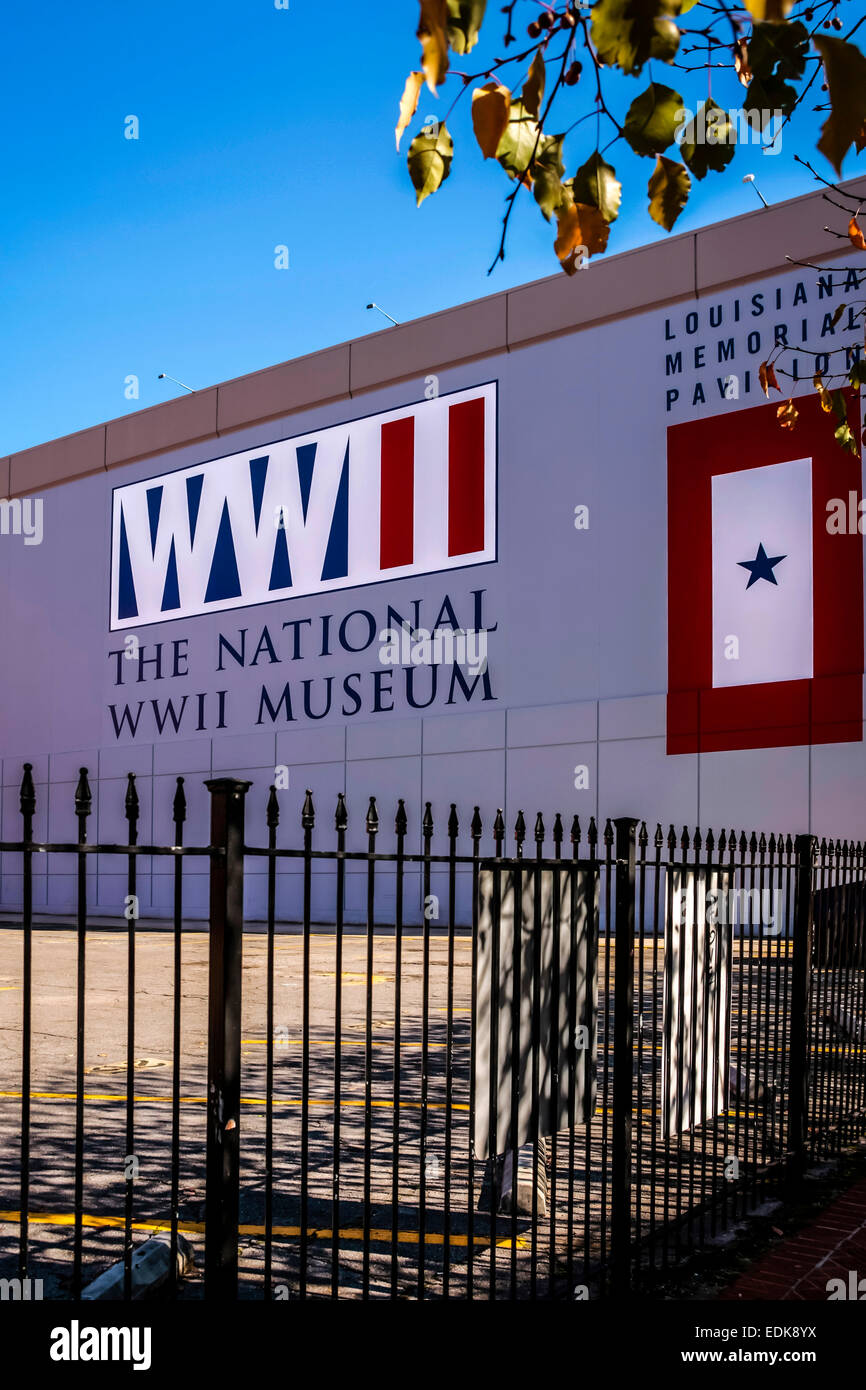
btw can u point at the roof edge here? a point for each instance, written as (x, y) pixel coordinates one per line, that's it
(687, 266)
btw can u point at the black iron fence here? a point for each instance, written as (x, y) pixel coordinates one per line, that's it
(629, 1039)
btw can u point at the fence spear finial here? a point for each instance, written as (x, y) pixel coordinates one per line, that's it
(131, 806)
(179, 803)
(28, 792)
(83, 795)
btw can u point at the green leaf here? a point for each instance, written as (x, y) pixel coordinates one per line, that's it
(668, 190)
(547, 191)
(465, 18)
(777, 56)
(626, 33)
(549, 155)
(666, 40)
(857, 374)
(547, 171)
(597, 185)
(533, 87)
(845, 71)
(708, 142)
(845, 438)
(517, 144)
(652, 119)
(429, 160)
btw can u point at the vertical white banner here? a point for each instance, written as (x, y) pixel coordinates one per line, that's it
(559, 1000)
(762, 574)
(696, 1045)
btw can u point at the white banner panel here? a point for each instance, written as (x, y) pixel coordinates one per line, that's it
(696, 1045)
(559, 1000)
(762, 574)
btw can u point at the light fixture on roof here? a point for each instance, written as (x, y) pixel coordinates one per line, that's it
(164, 376)
(382, 311)
(750, 178)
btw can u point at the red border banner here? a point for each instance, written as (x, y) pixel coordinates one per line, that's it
(829, 707)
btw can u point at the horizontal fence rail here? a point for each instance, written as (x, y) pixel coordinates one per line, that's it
(623, 1042)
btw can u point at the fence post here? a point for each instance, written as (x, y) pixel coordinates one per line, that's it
(801, 994)
(623, 1055)
(222, 1192)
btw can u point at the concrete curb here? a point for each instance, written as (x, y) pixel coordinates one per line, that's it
(518, 1197)
(151, 1267)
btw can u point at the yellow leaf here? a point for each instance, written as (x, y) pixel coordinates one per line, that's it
(409, 102)
(580, 227)
(854, 232)
(491, 109)
(741, 62)
(824, 395)
(787, 415)
(767, 378)
(432, 26)
(773, 10)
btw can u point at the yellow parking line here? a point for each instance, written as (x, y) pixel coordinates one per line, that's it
(378, 1235)
(359, 1104)
(245, 1100)
(330, 1042)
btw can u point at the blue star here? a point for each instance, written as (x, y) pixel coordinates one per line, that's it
(761, 567)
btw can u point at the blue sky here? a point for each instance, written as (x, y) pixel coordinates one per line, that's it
(258, 127)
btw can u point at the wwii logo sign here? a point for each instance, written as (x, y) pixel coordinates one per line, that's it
(408, 491)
